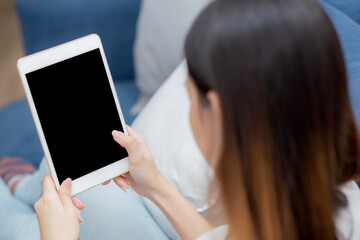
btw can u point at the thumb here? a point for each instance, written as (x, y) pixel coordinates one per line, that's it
(65, 191)
(128, 142)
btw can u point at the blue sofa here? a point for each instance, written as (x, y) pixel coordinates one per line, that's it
(46, 24)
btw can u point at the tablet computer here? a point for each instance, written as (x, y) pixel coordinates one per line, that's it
(75, 108)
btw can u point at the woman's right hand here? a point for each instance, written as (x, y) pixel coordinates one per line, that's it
(146, 180)
(143, 175)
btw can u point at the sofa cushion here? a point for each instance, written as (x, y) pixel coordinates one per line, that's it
(160, 35)
(351, 8)
(349, 35)
(49, 23)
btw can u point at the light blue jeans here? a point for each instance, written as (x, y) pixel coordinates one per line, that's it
(110, 213)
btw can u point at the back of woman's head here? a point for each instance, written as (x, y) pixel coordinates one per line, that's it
(289, 130)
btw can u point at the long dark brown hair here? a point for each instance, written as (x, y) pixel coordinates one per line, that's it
(290, 134)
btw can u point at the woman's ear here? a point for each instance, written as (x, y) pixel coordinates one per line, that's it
(217, 126)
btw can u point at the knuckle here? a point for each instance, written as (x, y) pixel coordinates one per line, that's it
(137, 142)
(36, 205)
(48, 199)
(132, 141)
(142, 138)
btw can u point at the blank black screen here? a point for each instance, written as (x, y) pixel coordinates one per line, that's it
(77, 113)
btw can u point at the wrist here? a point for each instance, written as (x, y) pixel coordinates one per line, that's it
(159, 189)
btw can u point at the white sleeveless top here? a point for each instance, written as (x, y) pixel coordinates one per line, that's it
(347, 220)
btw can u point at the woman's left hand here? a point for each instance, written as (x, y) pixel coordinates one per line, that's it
(58, 213)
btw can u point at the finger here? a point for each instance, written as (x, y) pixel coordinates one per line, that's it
(65, 187)
(128, 142)
(79, 217)
(139, 138)
(107, 182)
(48, 186)
(127, 181)
(50, 195)
(77, 203)
(127, 174)
(120, 181)
(131, 131)
(65, 191)
(127, 178)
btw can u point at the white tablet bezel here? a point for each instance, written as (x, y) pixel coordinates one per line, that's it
(54, 55)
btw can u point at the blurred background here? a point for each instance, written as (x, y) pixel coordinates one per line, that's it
(11, 49)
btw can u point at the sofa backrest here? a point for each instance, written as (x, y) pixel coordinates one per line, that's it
(349, 35)
(46, 23)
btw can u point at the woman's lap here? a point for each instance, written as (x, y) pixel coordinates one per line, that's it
(110, 213)
(115, 214)
(17, 220)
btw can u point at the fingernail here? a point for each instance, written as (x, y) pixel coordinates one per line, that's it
(81, 219)
(67, 183)
(124, 189)
(117, 134)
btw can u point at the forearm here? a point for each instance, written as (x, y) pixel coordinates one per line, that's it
(188, 223)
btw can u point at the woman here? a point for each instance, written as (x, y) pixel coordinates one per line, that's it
(271, 114)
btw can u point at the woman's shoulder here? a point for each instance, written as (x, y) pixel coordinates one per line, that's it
(348, 219)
